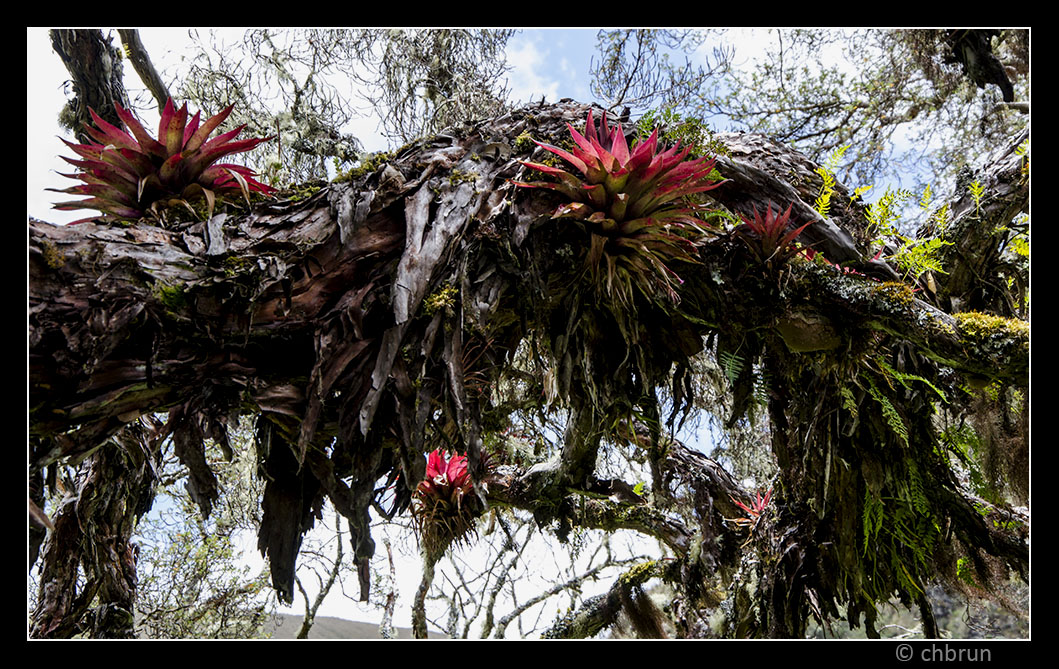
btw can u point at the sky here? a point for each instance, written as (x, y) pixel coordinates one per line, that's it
(549, 62)
(553, 63)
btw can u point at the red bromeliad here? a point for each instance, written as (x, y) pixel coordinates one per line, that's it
(447, 481)
(754, 510)
(444, 504)
(768, 238)
(130, 176)
(633, 204)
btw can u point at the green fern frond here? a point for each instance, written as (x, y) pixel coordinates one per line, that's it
(732, 365)
(904, 379)
(924, 201)
(882, 214)
(858, 192)
(977, 191)
(941, 217)
(916, 492)
(871, 518)
(893, 418)
(848, 401)
(827, 173)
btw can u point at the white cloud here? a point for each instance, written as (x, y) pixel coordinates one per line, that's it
(527, 78)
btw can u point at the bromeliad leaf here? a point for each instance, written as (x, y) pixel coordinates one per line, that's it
(768, 237)
(633, 202)
(129, 176)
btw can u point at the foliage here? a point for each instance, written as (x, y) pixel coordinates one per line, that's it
(444, 504)
(827, 173)
(634, 66)
(430, 79)
(768, 238)
(914, 255)
(287, 83)
(852, 429)
(823, 89)
(194, 581)
(129, 177)
(631, 204)
(675, 128)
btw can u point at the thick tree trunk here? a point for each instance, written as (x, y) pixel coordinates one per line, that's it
(96, 74)
(357, 319)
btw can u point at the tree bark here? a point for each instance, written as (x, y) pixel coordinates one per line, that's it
(95, 67)
(360, 318)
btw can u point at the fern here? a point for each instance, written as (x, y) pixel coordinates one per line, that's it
(871, 518)
(903, 378)
(1020, 245)
(893, 418)
(941, 217)
(882, 214)
(732, 365)
(913, 256)
(827, 173)
(977, 191)
(916, 492)
(924, 201)
(1023, 151)
(917, 256)
(848, 402)
(761, 387)
(858, 192)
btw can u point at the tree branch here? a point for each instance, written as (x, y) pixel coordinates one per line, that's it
(141, 62)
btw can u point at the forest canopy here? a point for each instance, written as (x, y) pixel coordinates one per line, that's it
(746, 345)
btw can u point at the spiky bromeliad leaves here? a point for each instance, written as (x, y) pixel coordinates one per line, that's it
(132, 176)
(634, 205)
(754, 510)
(768, 238)
(444, 504)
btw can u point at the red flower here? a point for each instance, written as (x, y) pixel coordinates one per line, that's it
(768, 238)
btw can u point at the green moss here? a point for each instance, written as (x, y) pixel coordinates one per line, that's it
(173, 297)
(235, 265)
(300, 192)
(524, 143)
(367, 165)
(53, 258)
(639, 573)
(461, 176)
(981, 325)
(895, 291)
(444, 298)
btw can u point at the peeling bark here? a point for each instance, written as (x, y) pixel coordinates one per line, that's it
(378, 311)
